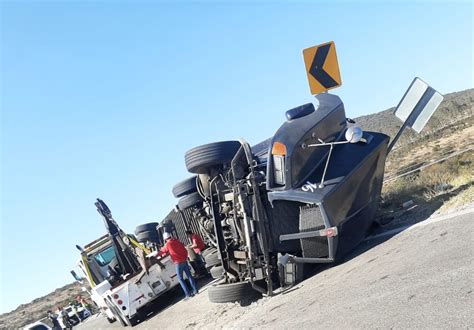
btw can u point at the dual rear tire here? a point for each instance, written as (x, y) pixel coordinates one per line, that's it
(193, 199)
(147, 232)
(185, 187)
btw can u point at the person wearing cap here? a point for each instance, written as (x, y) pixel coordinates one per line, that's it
(179, 255)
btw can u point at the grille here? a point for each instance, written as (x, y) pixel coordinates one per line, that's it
(311, 220)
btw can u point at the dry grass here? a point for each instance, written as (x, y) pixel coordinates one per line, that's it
(448, 140)
(463, 198)
(453, 175)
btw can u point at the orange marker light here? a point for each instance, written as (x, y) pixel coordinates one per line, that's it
(279, 149)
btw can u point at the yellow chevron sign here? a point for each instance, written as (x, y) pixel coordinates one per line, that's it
(322, 67)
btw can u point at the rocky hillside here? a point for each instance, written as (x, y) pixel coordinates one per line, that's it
(37, 309)
(456, 107)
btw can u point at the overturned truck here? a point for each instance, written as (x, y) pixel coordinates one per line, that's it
(308, 194)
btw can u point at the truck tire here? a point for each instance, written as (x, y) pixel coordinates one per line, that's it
(146, 227)
(151, 236)
(189, 201)
(239, 291)
(212, 259)
(217, 271)
(200, 159)
(185, 187)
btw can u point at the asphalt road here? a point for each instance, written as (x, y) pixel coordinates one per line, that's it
(421, 277)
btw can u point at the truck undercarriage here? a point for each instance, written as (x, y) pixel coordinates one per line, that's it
(306, 195)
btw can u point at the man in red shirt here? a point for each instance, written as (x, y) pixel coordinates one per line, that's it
(197, 245)
(179, 256)
(196, 242)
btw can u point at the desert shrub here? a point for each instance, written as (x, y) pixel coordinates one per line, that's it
(435, 180)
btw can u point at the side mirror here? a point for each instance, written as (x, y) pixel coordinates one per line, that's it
(354, 134)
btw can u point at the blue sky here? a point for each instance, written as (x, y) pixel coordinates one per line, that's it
(102, 99)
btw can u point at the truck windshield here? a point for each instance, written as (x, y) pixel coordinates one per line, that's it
(104, 257)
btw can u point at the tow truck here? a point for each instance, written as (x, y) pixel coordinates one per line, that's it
(122, 280)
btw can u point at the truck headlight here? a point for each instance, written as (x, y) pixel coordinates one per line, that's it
(278, 157)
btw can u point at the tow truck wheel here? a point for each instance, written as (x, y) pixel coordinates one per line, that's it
(200, 159)
(240, 291)
(185, 187)
(190, 200)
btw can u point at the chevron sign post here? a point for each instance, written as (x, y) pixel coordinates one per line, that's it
(322, 67)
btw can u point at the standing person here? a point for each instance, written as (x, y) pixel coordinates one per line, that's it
(65, 317)
(85, 305)
(179, 256)
(60, 318)
(54, 319)
(74, 310)
(196, 242)
(197, 245)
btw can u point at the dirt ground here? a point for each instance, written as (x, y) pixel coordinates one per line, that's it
(421, 277)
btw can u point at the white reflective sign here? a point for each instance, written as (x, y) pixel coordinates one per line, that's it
(418, 104)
